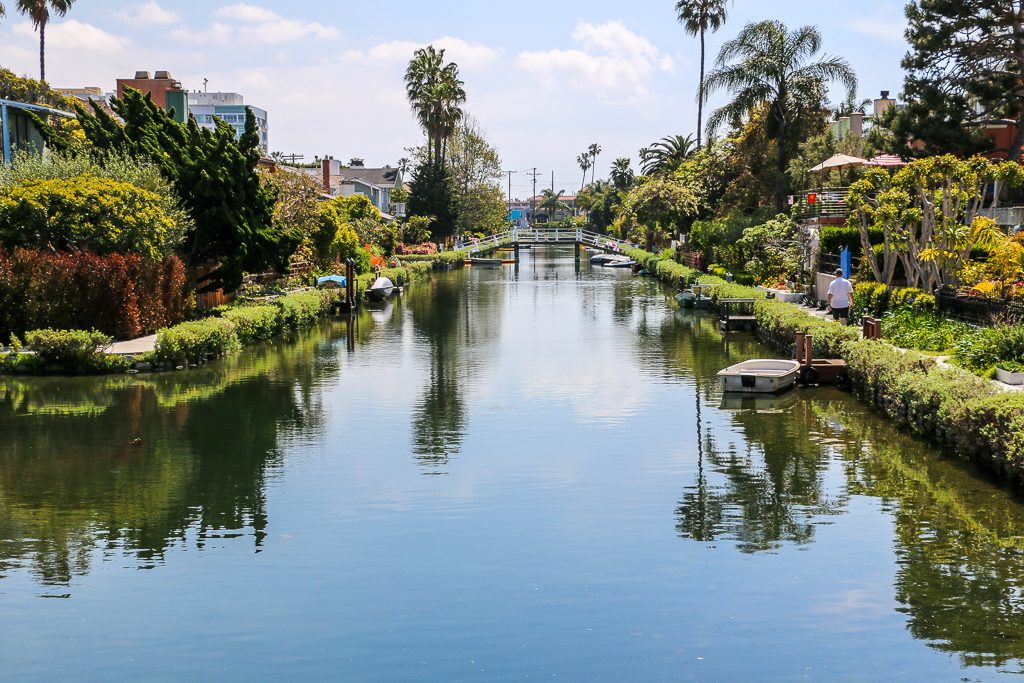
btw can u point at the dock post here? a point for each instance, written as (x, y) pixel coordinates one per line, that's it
(800, 348)
(515, 249)
(808, 349)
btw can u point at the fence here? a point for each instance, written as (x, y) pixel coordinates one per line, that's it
(978, 310)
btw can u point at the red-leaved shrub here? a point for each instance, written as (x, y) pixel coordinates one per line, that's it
(122, 295)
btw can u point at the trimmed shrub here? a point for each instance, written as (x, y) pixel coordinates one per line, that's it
(780, 322)
(196, 340)
(67, 348)
(833, 239)
(240, 326)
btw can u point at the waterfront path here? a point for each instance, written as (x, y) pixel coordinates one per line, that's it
(134, 346)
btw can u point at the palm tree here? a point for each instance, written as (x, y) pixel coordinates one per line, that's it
(435, 93)
(622, 174)
(666, 155)
(697, 16)
(39, 12)
(551, 202)
(584, 161)
(403, 165)
(594, 150)
(766, 64)
(850, 105)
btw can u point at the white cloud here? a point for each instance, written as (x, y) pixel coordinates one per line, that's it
(886, 29)
(468, 55)
(611, 59)
(257, 81)
(149, 14)
(74, 35)
(256, 25)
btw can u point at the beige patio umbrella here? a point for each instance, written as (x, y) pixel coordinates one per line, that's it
(838, 163)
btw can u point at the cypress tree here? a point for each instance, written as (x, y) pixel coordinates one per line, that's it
(216, 177)
(433, 194)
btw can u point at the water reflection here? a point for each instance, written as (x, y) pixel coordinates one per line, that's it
(150, 457)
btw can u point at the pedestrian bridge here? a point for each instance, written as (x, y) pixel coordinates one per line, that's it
(542, 235)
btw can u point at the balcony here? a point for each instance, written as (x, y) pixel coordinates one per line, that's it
(826, 205)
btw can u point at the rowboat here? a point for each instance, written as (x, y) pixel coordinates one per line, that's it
(380, 289)
(626, 263)
(477, 261)
(760, 376)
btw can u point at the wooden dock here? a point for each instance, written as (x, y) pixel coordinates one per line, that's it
(736, 314)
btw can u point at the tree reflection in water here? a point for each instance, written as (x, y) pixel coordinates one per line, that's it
(151, 458)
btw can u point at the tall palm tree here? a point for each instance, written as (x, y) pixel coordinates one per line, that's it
(435, 92)
(697, 16)
(622, 174)
(666, 155)
(593, 150)
(584, 161)
(766, 64)
(39, 12)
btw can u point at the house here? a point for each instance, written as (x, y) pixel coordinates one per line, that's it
(376, 184)
(19, 131)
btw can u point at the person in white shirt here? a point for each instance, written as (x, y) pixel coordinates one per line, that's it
(840, 294)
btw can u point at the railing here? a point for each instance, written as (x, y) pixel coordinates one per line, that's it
(541, 235)
(827, 202)
(977, 309)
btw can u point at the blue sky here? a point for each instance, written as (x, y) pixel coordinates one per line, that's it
(545, 79)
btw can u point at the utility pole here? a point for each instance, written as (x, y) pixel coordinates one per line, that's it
(510, 194)
(533, 209)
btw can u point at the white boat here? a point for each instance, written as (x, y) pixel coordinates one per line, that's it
(760, 376)
(380, 289)
(479, 261)
(604, 257)
(619, 262)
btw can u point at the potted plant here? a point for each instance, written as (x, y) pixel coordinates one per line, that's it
(1010, 372)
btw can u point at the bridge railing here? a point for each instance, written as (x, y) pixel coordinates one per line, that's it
(555, 234)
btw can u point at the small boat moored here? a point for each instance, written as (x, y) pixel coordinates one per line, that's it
(760, 376)
(478, 261)
(380, 289)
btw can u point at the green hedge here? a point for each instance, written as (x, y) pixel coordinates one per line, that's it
(197, 340)
(446, 259)
(833, 239)
(779, 322)
(75, 351)
(738, 278)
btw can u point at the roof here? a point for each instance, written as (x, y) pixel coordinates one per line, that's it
(381, 177)
(37, 108)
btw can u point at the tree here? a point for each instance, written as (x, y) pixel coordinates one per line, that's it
(216, 177)
(667, 154)
(432, 193)
(929, 213)
(661, 202)
(39, 12)
(552, 203)
(697, 16)
(584, 163)
(435, 93)
(622, 174)
(593, 150)
(964, 67)
(766, 63)
(483, 210)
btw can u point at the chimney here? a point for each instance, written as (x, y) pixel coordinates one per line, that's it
(163, 75)
(326, 165)
(142, 75)
(883, 103)
(857, 124)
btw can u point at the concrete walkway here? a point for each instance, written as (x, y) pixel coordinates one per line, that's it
(135, 346)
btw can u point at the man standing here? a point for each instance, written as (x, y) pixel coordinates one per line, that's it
(840, 293)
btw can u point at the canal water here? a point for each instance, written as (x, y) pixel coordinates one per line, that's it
(508, 474)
